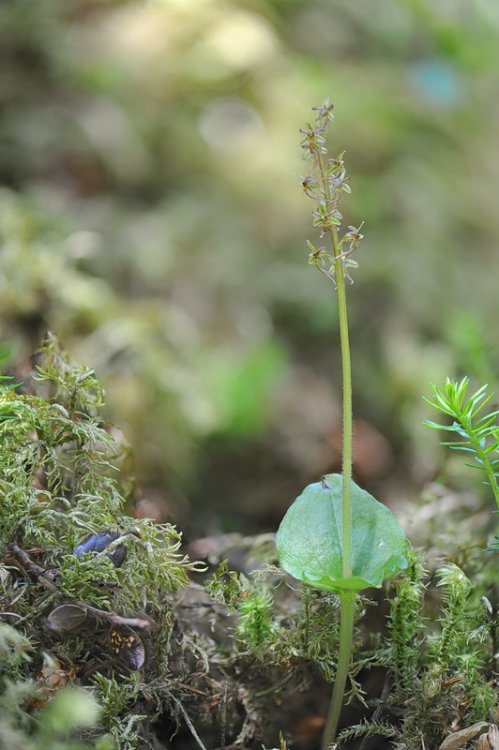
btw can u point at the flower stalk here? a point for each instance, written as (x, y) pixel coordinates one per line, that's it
(326, 186)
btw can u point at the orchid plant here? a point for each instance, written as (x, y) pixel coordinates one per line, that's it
(336, 536)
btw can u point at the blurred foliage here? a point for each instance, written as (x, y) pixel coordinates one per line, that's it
(150, 215)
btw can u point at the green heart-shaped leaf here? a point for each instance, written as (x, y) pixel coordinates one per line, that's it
(309, 541)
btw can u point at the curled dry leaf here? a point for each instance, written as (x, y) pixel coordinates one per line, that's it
(51, 677)
(457, 740)
(55, 676)
(490, 740)
(66, 617)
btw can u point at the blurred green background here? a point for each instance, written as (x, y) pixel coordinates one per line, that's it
(151, 216)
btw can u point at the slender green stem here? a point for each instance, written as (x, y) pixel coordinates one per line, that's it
(493, 480)
(346, 369)
(347, 599)
(346, 634)
(346, 372)
(491, 476)
(487, 465)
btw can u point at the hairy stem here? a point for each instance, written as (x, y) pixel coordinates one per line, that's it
(346, 374)
(347, 457)
(346, 634)
(347, 599)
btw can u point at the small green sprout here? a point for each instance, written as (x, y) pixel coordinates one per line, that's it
(255, 619)
(477, 433)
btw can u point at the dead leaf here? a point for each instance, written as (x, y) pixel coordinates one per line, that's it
(457, 739)
(66, 617)
(489, 741)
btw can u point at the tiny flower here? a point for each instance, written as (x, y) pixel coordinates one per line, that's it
(324, 111)
(316, 255)
(326, 184)
(313, 143)
(310, 186)
(353, 235)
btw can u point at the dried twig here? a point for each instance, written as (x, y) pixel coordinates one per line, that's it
(385, 693)
(100, 614)
(189, 723)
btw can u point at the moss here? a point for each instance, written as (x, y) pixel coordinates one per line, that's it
(97, 601)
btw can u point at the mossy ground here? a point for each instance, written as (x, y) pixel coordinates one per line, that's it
(181, 654)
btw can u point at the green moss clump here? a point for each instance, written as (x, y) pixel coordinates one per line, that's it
(66, 539)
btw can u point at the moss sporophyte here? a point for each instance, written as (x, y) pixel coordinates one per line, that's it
(336, 536)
